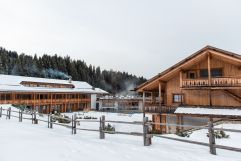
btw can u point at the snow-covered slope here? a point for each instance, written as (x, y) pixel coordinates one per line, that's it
(27, 142)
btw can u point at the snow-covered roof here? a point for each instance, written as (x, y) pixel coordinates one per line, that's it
(101, 91)
(12, 83)
(208, 111)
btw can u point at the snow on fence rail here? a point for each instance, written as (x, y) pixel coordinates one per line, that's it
(146, 124)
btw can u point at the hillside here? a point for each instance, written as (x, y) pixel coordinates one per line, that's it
(55, 66)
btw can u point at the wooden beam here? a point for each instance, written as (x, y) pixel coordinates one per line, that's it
(51, 98)
(181, 77)
(143, 104)
(209, 70)
(224, 56)
(209, 81)
(160, 94)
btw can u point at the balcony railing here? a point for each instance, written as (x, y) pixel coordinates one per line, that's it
(216, 82)
(44, 101)
(156, 108)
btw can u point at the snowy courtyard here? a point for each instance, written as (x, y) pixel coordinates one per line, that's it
(23, 141)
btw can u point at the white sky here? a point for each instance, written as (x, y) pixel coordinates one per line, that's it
(142, 37)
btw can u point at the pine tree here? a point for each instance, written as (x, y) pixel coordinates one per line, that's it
(55, 66)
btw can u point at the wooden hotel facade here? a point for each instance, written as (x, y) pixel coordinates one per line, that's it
(209, 78)
(46, 95)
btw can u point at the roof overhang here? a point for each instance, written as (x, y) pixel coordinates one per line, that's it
(209, 112)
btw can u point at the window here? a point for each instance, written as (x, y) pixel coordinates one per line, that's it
(177, 98)
(191, 74)
(203, 73)
(217, 72)
(214, 73)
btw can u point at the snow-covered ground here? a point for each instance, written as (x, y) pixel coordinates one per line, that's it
(23, 141)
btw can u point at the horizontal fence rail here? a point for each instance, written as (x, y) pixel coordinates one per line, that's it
(74, 120)
(125, 122)
(146, 134)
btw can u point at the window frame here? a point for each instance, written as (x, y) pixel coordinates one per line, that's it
(192, 72)
(180, 99)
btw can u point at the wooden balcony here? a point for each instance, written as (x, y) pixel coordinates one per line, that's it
(156, 108)
(215, 82)
(44, 101)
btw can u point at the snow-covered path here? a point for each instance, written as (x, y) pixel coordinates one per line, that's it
(27, 142)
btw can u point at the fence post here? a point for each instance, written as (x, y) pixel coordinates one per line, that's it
(32, 117)
(72, 125)
(9, 113)
(146, 137)
(102, 127)
(21, 115)
(35, 118)
(1, 111)
(51, 122)
(75, 123)
(48, 120)
(211, 137)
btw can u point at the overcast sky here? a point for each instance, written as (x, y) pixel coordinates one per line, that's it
(142, 37)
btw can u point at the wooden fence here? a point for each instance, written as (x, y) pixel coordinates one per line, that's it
(212, 144)
(146, 134)
(73, 120)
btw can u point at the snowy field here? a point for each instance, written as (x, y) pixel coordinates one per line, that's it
(23, 141)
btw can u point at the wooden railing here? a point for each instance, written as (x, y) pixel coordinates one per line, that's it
(156, 108)
(216, 82)
(228, 81)
(43, 101)
(194, 82)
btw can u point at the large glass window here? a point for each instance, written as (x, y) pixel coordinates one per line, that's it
(217, 72)
(203, 73)
(214, 73)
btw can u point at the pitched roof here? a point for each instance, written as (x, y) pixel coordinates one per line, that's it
(13, 83)
(233, 55)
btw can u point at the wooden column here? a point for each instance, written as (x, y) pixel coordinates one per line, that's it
(51, 99)
(13, 96)
(160, 94)
(181, 77)
(64, 107)
(209, 80)
(66, 102)
(152, 97)
(39, 102)
(78, 100)
(209, 70)
(143, 103)
(34, 101)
